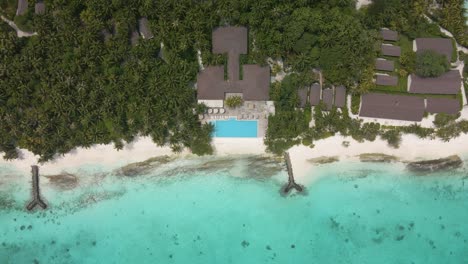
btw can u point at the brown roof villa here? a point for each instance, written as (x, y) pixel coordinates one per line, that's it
(22, 7)
(256, 79)
(39, 8)
(328, 98)
(443, 105)
(448, 83)
(442, 46)
(398, 107)
(302, 94)
(384, 65)
(143, 26)
(315, 92)
(390, 50)
(340, 96)
(386, 80)
(388, 34)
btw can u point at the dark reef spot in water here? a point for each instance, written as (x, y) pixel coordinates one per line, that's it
(77, 243)
(377, 211)
(356, 186)
(94, 243)
(440, 217)
(4, 244)
(457, 234)
(35, 261)
(293, 246)
(245, 244)
(411, 225)
(200, 253)
(170, 256)
(268, 247)
(29, 227)
(52, 242)
(400, 238)
(377, 240)
(442, 227)
(334, 223)
(22, 227)
(67, 249)
(346, 240)
(401, 228)
(243, 225)
(14, 219)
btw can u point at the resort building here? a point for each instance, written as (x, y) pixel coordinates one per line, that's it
(442, 46)
(250, 82)
(328, 98)
(22, 7)
(145, 31)
(386, 80)
(315, 94)
(302, 93)
(384, 65)
(340, 96)
(443, 105)
(397, 107)
(388, 35)
(39, 8)
(390, 50)
(447, 83)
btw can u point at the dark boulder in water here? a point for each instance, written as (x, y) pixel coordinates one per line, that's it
(144, 167)
(449, 163)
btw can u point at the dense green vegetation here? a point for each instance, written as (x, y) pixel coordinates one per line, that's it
(452, 17)
(233, 101)
(431, 64)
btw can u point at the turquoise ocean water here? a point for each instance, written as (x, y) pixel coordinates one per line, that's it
(355, 213)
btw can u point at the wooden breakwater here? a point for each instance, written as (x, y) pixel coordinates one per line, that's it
(291, 183)
(36, 200)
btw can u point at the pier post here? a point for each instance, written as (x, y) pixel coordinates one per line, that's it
(36, 201)
(291, 183)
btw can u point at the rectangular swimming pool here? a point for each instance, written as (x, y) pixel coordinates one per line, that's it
(235, 128)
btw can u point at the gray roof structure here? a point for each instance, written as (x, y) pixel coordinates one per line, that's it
(340, 96)
(328, 98)
(143, 26)
(397, 107)
(443, 105)
(22, 7)
(447, 83)
(386, 80)
(390, 50)
(302, 93)
(442, 46)
(39, 8)
(384, 65)
(134, 38)
(255, 84)
(388, 34)
(315, 91)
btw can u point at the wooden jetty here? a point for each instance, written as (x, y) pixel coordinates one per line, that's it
(291, 183)
(36, 201)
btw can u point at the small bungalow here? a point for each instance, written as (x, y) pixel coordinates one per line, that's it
(134, 38)
(388, 34)
(443, 105)
(397, 107)
(328, 98)
(384, 65)
(22, 7)
(386, 80)
(302, 94)
(442, 46)
(145, 31)
(447, 83)
(39, 8)
(390, 50)
(315, 93)
(340, 96)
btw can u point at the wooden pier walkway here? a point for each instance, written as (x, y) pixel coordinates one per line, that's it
(37, 201)
(291, 183)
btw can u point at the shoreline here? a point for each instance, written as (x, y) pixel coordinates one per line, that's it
(411, 148)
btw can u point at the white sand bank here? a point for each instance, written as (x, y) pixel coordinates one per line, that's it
(411, 148)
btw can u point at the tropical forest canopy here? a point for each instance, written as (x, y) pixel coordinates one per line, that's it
(72, 86)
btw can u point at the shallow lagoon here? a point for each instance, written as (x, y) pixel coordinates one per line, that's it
(354, 213)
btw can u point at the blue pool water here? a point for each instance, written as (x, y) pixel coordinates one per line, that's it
(235, 128)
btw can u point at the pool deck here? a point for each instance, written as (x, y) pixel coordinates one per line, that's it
(251, 110)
